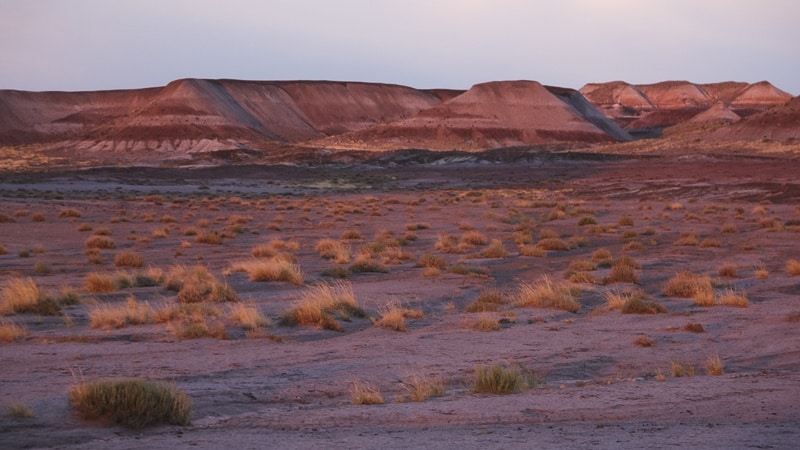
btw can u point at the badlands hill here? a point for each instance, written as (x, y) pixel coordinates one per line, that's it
(647, 110)
(193, 119)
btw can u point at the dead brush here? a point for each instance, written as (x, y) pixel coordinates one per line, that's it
(10, 332)
(117, 316)
(321, 305)
(793, 267)
(248, 316)
(22, 295)
(498, 379)
(546, 294)
(196, 284)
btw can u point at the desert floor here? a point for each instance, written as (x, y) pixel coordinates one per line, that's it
(598, 382)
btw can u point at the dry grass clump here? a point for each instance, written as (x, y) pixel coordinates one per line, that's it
(471, 239)
(17, 411)
(497, 379)
(689, 285)
(100, 283)
(333, 250)
(643, 341)
(679, 370)
(587, 220)
(446, 243)
(688, 239)
(118, 316)
(102, 231)
(553, 244)
(363, 393)
(602, 257)
(729, 270)
(133, 403)
(196, 284)
(793, 267)
(546, 294)
(69, 212)
(532, 250)
(761, 273)
(486, 322)
(488, 300)
(208, 237)
(10, 332)
(393, 317)
(273, 269)
(625, 221)
(468, 269)
(694, 327)
(623, 270)
(714, 366)
(421, 388)
(365, 264)
(618, 299)
(128, 259)
(351, 235)
(322, 305)
(248, 316)
(728, 228)
(637, 304)
(733, 298)
(710, 242)
(494, 250)
(22, 295)
(431, 260)
(100, 242)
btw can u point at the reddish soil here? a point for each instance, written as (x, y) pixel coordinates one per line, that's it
(289, 386)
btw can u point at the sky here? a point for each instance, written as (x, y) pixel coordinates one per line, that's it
(80, 45)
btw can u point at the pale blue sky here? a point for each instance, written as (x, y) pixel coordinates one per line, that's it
(107, 44)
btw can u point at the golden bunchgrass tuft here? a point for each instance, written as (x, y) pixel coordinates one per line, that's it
(472, 238)
(133, 403)
(446, 243)
(623, 270)
(638, 304)
(486, 322)
(602, 257)
(494, 250)
(69, 212)
(729, 270)
(733, 298)
(496, 379)
(488, 300)
(248, 316)
(363, 393)
(322, 304)
(99, 283)
(714, 366)
(100, 242)
(618, 299)
(761, 273)
(128, 259)
(532, 250)
(208, 237)
(273, 269)
(333, 250)
(793, 267)
(688, 239)
(17, 410)
(393, 317)
(22, 295)
(118, 316)
(196, 284)
(10, 332)
(728, 228)
(546, 294)
(421, 388)
(552, 244)
(689, 285)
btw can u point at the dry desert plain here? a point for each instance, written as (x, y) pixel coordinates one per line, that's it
(450, 265)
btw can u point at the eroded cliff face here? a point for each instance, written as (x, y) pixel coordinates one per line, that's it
(647, 110)
(192, 117)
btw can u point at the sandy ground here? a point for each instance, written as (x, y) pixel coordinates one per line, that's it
(596, 389)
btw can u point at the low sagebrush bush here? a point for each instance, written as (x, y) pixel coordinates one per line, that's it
(638, 305)
(133, 403)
